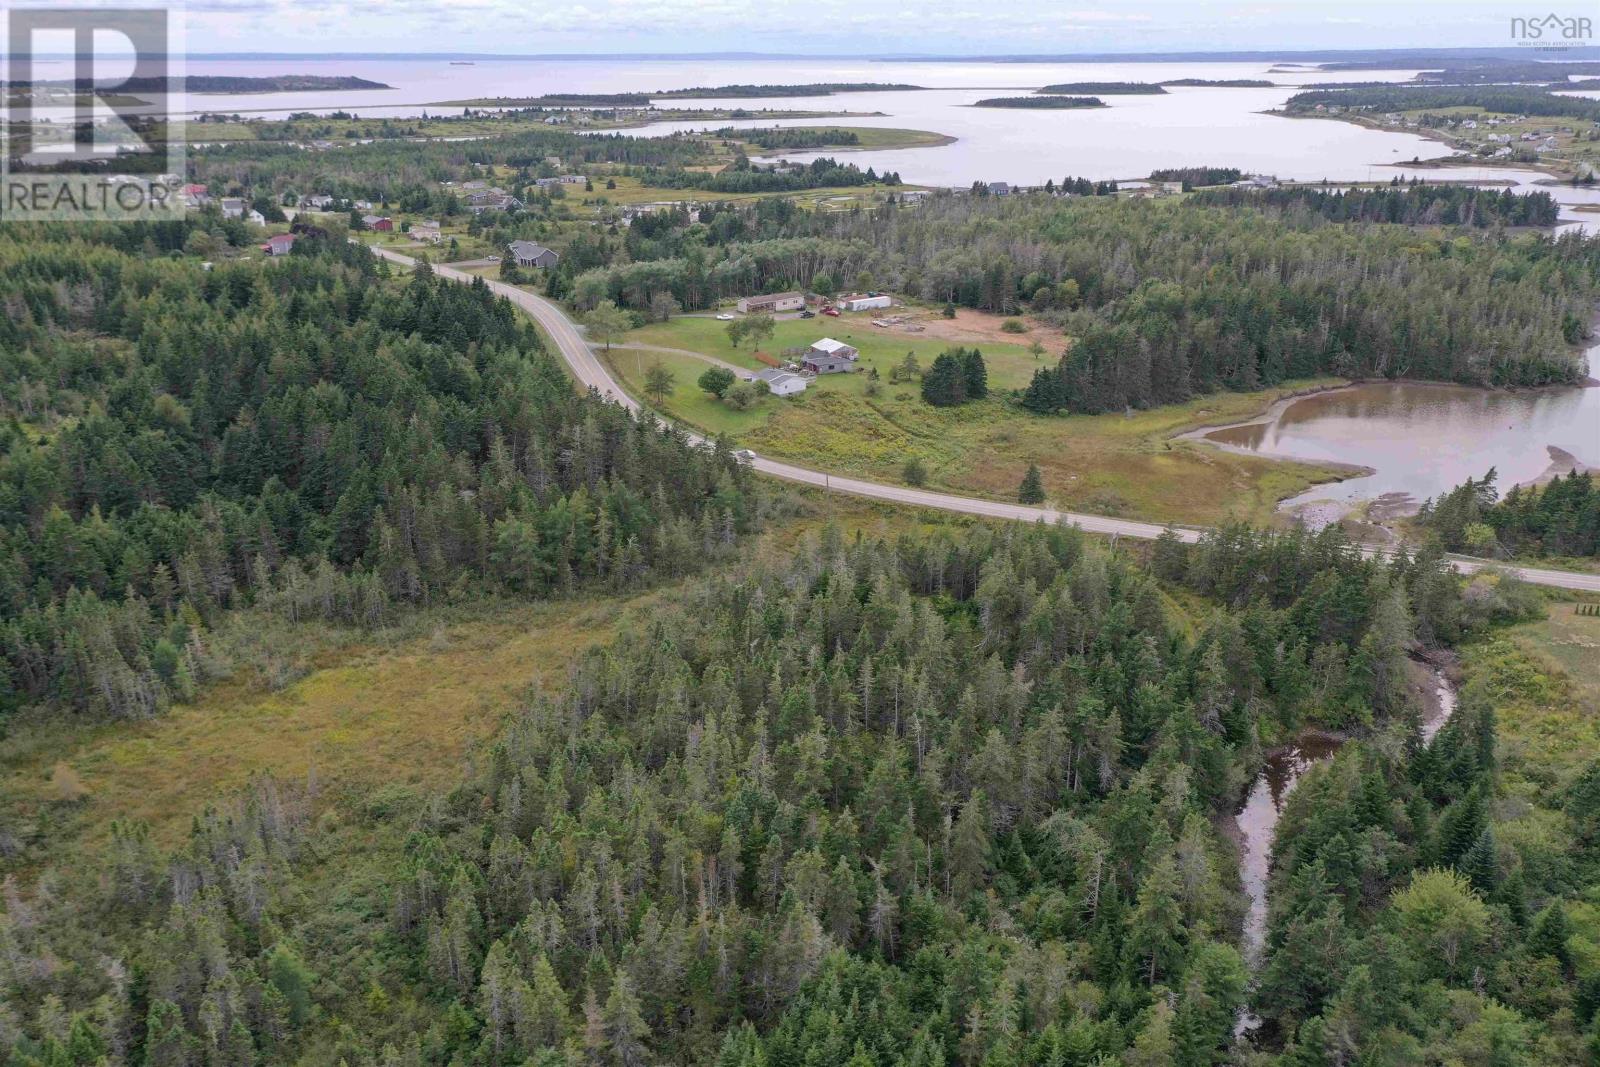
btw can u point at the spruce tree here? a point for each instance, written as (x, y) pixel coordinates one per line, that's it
(1031, 491)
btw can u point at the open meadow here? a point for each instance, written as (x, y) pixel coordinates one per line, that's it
(1119, 464)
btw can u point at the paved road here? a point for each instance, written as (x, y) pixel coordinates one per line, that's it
(589, 371)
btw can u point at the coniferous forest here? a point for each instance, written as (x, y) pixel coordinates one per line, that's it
(955, 798)
(1559, 518)
(945, 794)
(304, 435)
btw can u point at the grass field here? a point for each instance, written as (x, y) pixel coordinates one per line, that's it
(1547, 674)
(1117, 464)
(1011, 365)
(367, 712)
(1543, 680)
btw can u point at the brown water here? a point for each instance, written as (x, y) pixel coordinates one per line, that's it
(1257, 818)
(1421, 439)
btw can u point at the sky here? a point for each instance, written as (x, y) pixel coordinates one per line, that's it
(852, 27)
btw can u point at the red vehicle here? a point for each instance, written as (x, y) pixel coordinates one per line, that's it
(831, 311)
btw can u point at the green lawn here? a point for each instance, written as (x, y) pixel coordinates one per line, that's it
(688, 402)
(1116, 464)
(1011, 366)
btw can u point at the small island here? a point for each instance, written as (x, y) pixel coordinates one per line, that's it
(810, 89)
(1222, 83)
(1105, 89)
(1050, 103)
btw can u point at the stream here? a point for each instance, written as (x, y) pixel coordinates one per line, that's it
(1257, 818)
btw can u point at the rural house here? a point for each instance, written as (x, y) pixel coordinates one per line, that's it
(381, 223)
(529, 254)
(867, 302)
(232, 207)
(772, 302)
(828, 356)
(279, 245)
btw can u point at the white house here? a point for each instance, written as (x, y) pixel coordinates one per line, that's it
(232, 207)
(257, 217)
(772, 302)
(782, 383)
(859, 302)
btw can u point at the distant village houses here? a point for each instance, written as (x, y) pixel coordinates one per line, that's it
(281, 245)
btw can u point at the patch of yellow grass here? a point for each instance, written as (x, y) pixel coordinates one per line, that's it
(372, 715)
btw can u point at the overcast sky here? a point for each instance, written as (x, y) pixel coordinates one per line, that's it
(854, 27)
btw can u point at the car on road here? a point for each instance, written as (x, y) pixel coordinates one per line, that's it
(725, 317)
(744, 455)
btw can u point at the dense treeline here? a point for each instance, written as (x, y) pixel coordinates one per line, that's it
(1412, 205)
(1168, 301)
(950, 800)
(386, 170)
(303, 435)
(1105, 89)
(1558, 518)
(226, 83)
(743, 177)
(794, 138)
(1080, 187)
(1194, 177)
(1504, 99)
(1222, 83)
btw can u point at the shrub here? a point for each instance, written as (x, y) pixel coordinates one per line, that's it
(717, 381)
(914, 473)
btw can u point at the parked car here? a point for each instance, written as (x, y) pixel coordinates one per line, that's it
(831, 311)
(724, 317)
(808, 314)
